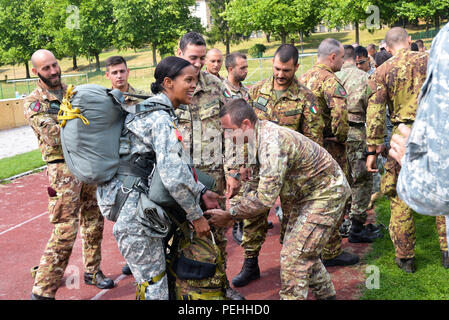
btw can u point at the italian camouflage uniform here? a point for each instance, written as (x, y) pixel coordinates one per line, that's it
(199, 125)
(397, 83)
(296, 109)
(130, 100)
(142, 249)
(236, 92)
(313, 191)
(331, 97)
(70, 203)
(355, 81)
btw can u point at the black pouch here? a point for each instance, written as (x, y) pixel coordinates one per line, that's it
(188, 269)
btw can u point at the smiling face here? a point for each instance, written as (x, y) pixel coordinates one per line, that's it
(196, 55)
(118, 74)
(180, 89)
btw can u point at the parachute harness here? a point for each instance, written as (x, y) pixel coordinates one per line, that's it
(67, 112)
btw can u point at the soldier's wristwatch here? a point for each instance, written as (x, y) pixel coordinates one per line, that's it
(232, 212)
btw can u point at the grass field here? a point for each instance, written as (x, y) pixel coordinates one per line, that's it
(12, 166)
(140, 61)
(429, 282)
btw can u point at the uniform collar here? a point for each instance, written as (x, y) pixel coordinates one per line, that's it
(323, 66)
(50, 96)
(291, 92)
(348, 65)
(233, 87)
(202, 82)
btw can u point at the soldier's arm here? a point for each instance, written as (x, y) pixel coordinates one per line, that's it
(43, 124)
(273, 167)
(335, 96)
(375, 113)
(311, 123)
(174, 171)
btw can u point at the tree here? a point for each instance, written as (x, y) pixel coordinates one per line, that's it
(220, 31)
(20, 29)
(159, 23)
(273, 16)
(427, 10)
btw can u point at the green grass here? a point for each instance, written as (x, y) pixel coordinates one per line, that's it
(429, 282)
(12, 166)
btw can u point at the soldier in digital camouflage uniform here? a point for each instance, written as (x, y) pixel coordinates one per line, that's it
(331, 98)
(117, 72)
(312, 188)
(355, 82)
(154, 132)
(71, 202)
(199, 126)
(282, 100)
(397, 83)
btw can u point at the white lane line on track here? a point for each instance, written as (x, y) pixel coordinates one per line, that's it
(102, 292)
(21, 224)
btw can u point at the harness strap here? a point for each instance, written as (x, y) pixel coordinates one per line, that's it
(141, 288)
(211, 295)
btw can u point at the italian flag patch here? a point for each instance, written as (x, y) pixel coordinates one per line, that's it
(314, 109)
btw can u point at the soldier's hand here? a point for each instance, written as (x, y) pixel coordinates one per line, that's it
(245, 173)
(232, 187)
(201, 226)
(210, 199)
(371, 163)
(219, 218)
(398, 142)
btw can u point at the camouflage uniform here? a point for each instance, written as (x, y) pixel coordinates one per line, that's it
(143, 251)
(129, 100)
(71, 202)
(199, 125)
(331, 96)
(296, 109)
(355, 82)
(313, 190)
(236, 92)
(397, 82)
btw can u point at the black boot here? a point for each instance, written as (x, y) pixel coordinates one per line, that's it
(250, 271)
(343, 259)
(38, 297)
(99, 280)
(126, 270)
(406, 264)
(445, 259)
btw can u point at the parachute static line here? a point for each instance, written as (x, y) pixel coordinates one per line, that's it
(67, 112)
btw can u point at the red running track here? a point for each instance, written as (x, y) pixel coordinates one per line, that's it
(25, 230)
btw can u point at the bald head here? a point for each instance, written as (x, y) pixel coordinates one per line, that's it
(397, 38)
(46, 67)
(214, 61)
(331, 53)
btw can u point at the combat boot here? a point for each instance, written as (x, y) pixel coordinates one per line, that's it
(406, 264)
(445, 259)
(38, 297)
(343, 259)
(99, 280)
(126, 270)
(232, 294)
(250, 271)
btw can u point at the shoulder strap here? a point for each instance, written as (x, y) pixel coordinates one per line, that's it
(139, 96)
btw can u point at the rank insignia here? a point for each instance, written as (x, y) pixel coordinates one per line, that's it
(35, 106)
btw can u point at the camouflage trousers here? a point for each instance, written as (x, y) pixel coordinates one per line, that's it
(144, 254)
(362, 180)
(71, 204)
(308, 223)
(338, 152)
(402, 227)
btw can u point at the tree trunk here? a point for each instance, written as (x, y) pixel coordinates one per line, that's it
(283, 38)
(357, 32)
(228, 43)
(267, 35)
(154, 54)
(436, 18)
(27, 70)
(97, 61)
(75, 65)
(301, 40)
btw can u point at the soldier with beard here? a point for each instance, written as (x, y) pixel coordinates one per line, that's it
(71, 202)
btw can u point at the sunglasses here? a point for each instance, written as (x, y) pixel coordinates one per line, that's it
(361, 62)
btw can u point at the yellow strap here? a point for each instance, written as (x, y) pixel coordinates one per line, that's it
(213, 295)
(67, 112)
(141, 288)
